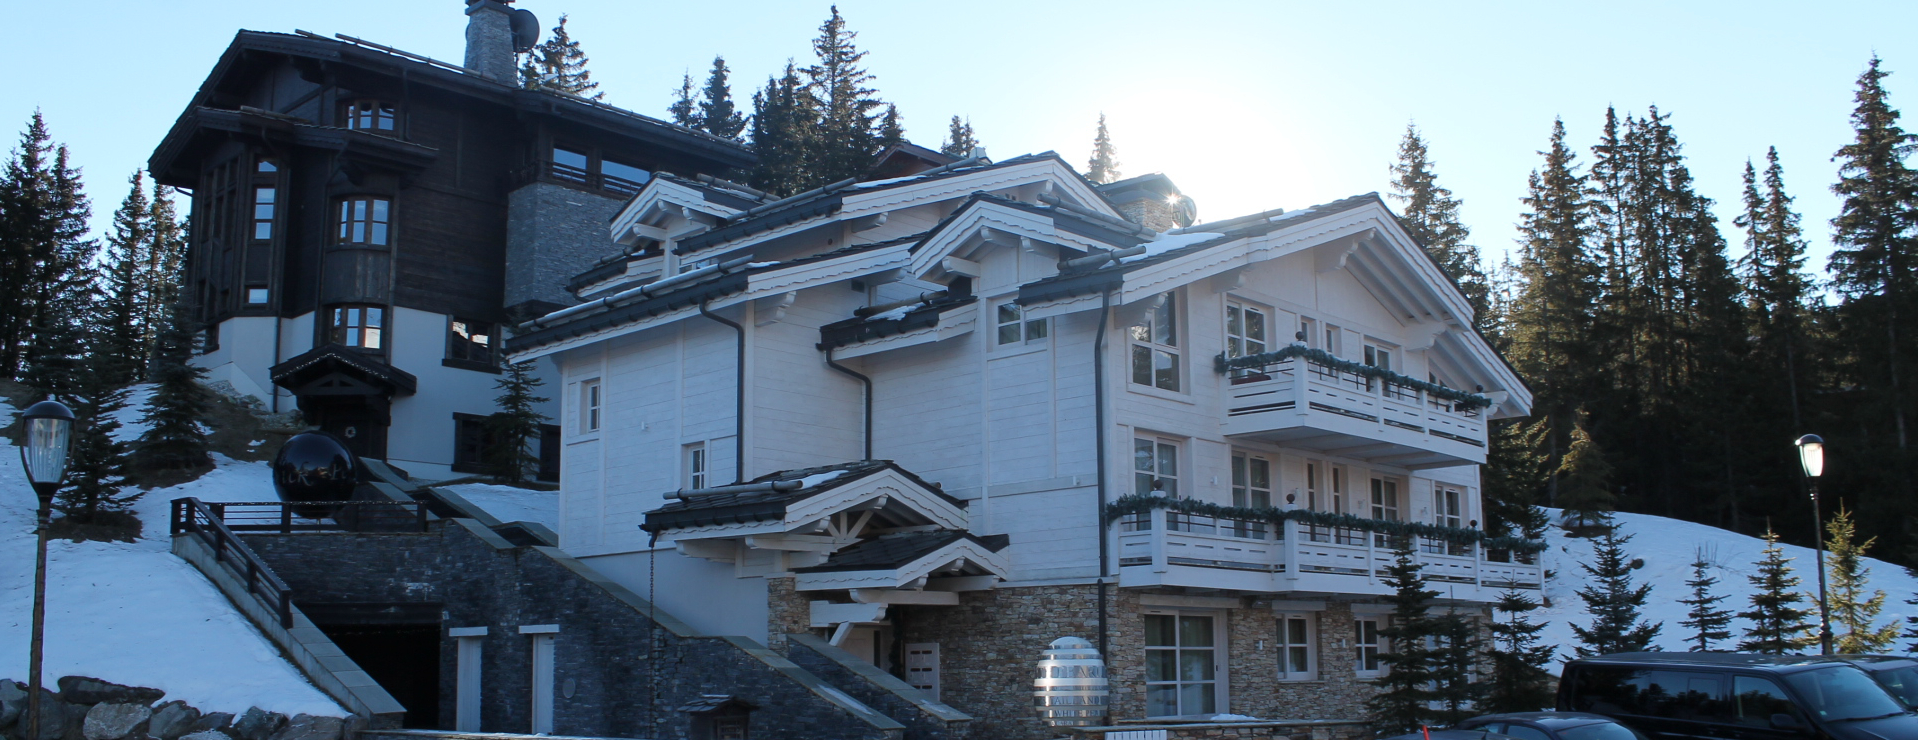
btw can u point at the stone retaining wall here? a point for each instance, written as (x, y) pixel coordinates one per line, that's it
(92, 709)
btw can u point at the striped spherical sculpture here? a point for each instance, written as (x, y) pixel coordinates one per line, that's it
(1071, 690)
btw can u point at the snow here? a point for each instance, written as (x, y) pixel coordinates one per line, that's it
(129, 415)
(1233, 718)
(509, 504)
(134, 614)
(894, 314)
(1169, 242)
(1667, 546)
(819, 478)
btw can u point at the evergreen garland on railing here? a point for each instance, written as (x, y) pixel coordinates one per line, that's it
(1223, 365)
(1135, 503)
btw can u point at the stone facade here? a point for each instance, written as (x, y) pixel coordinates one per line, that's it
(788, 612)
(622, 669)
(554, 232)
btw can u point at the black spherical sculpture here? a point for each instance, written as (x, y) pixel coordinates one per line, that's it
(314, 466)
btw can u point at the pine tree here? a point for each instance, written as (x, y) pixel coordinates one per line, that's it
(1613, 601)
(1457, 647)
(1517, 663)
(122, 349)
(96, 463)
(174, 439)
(1401, 704)
(516, 424)
(1853, 611)
(960, 141)
(1586, 495)
(892, 132)
(559, 65)
(1512, 478)
(849, 131)
(64, 286)
(784, 127)
(1432, 215)
(1104, 166)
(717, 114)
(684, 109)
(166, 257)
(1777, 290)
(1779, 626)
(1708, 622)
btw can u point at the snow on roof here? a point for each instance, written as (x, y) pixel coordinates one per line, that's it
(1169, 242)
(510, 504)
(134, 614)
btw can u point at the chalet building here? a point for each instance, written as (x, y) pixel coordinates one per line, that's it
(938, 420)
(366, 223)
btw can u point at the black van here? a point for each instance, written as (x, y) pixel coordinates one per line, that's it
(1735, 696)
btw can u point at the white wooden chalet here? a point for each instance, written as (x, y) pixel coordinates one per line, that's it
(898, 413)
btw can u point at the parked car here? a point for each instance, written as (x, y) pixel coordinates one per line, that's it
(1451, 735)
(1553, 726)
(1735, 696)
(1896, 672)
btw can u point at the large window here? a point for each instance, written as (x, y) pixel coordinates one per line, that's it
(369, 115)
(470, 342)
(1156, 466)
(363, 221)
(1013, 326)
(1156, 346)
(1246, 335)
(1368, 644)
(1182, 674)
(357, 326)
(1296, 644)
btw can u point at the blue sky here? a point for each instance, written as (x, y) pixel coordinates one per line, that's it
(1247, 105)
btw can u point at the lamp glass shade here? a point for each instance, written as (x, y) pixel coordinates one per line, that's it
(45, 453)
(1813, 456)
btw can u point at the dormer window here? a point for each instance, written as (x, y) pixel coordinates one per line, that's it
(370, 115)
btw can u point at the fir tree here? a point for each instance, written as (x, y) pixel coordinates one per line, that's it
(1613, 601)
(849, 134)
(122, 350)
(1707, 621)
(516, 424)
(166, 257)
(1457, 647)
(1432, 215)
(1779, 626)
(559, 65)
(1104, 166)
(1408, 686)
(960, 141)
(717, 114)
(1776, 288)
(1517, 678)
(174, 439)
(684, 109)
(783, 131)
(1512, 477)
(1853, 611)
(1585, 489)
(42, 218)
(892, 132)
(96, 464)
(64, 286)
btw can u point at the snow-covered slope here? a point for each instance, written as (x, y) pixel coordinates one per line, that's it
(1668, 546)
(135, 614)
(510, 504)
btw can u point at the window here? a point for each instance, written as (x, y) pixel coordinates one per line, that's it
(1252, 481)
(1246, 334)
(1181, 669)
(1156, 466)
(693, 459)
(357, 326)
(590, 406)
(470, 341)
(370, 115)
(1015, 327)
(471, 440)
(363, 220)
(258, 296)
(263, 203)
(1331, 340)
(569, 164)
(266, 165)
(1368, 644)
(1386, 499)
(1156, 346)
(1446, 507)
(1295, 641)
(1756, 700)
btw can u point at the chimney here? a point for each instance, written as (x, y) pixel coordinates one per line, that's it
(490, 39)
(1151, 201)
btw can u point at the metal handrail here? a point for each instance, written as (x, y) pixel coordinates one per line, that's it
(284, 517)
(191, 515)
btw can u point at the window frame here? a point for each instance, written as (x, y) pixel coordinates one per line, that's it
(592, 405)
(1283, 645)
(376, 110)
(1164, 452)
(382, 337)
(1238, 342)
(1024, 328)
(1217, 651)
(378, 219)
(463, 425)
(1144, 343)
(696, 467)
(1362, 650)
(459, 345)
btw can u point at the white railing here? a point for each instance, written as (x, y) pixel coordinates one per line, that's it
(1406, 409)
(1163, 547)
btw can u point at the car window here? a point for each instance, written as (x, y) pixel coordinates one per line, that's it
(1756, 700)
(1524, 732)
(1899, 681)
(1843, 693)
(1601, 731)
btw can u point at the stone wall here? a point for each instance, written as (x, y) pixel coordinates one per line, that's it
(788, 612)
(1335, 692)
(554, 232)
(623, 669)
(92, 709)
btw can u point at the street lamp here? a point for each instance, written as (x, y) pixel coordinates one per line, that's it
(49, 426)
(1813, 459)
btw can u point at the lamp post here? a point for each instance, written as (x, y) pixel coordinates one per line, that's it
(49, 426)
(1813, 459)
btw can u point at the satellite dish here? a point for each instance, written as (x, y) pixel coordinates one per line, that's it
(526, 30)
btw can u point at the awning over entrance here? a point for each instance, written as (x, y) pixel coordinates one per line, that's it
(334, 370)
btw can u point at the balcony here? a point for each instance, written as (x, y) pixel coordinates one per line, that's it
(1172, 548)
(1328, 406)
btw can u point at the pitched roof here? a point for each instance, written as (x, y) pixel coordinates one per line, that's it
(325, 359)
(890, 551)
(760, 506)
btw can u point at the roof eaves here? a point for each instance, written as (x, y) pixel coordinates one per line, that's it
(691, 295)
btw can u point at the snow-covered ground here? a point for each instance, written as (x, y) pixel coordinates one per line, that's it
(509, 504)
(135, 614)
(1667, 546)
